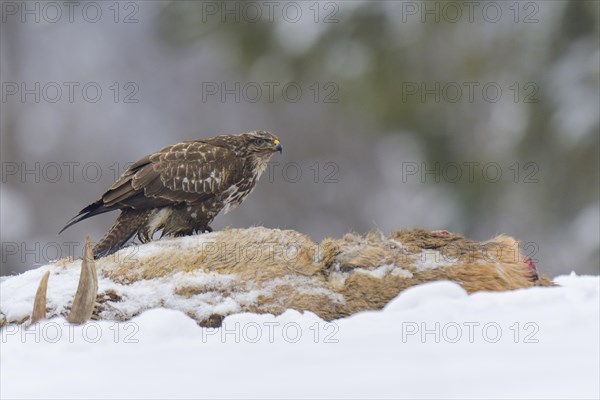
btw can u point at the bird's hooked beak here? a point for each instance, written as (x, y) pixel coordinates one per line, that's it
(278, 146)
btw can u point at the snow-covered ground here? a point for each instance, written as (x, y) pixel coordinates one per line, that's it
(432, 341)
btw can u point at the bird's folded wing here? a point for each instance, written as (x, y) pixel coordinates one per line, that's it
(188, 172)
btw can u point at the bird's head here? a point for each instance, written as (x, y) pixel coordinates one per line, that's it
(262, 143)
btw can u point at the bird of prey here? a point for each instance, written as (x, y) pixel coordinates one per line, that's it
(181, 188)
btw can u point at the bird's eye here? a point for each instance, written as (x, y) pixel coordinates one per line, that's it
(259, 142)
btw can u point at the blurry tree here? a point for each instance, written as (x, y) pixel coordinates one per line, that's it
(380, 65)
(375, 54)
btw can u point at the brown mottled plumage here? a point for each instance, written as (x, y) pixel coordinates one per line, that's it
(181, 188)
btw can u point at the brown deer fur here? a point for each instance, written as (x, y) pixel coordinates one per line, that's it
(333, 279)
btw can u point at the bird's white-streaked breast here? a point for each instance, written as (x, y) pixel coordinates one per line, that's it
(158, 219)
(260, 166)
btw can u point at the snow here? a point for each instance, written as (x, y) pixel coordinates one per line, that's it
(17, 292)
(384, 270)
(431, 341)
(430, 259)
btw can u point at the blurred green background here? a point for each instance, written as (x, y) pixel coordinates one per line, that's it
(479, 118)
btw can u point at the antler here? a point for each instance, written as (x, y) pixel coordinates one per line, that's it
(39, 304)
(85, 297)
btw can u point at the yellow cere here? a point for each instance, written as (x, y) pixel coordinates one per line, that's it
(276, 141)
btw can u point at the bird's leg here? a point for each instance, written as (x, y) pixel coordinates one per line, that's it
(127, 224)
(182, 233)
(142, 236)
